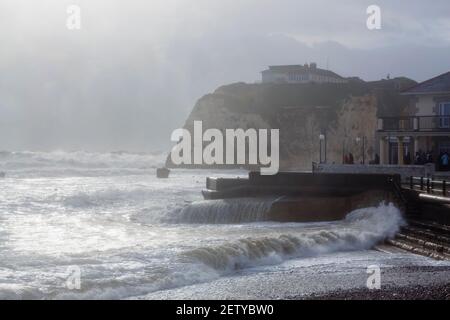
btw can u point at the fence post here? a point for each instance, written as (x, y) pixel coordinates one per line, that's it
(411, 183)
(444, 188)
(421, 183)
(428, 185)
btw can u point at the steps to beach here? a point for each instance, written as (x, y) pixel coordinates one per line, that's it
(424, 238)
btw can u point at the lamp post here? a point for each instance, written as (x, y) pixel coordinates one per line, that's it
(364, 149)
(363, 139)
(322, 139)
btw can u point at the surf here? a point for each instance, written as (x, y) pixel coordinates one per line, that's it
(223, 211)
(360, 230)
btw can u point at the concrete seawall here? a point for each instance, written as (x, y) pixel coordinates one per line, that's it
(307, 196)
(405, 172)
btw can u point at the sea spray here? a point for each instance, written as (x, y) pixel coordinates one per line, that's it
(360, 230)
(225, 211)
(103, 197)
(78, 163)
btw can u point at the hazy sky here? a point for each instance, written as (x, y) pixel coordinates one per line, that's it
(134, 70)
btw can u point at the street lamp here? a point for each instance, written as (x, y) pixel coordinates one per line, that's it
(358, 140)
(322, 138)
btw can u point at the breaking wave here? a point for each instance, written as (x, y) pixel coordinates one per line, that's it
(104, 197)
(77, 162)
(360, 230)
(223, 211)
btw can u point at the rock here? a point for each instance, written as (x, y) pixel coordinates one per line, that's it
(302, 112)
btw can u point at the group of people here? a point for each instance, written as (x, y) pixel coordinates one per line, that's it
(422, 158)
(348, 158)
(443, 162)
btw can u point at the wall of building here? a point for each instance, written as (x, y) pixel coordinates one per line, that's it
(272, 77)
(275, 77)
(425, 105)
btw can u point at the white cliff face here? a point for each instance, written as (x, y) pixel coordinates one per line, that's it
(344, 127)
(357, 120)
(217, 111)
(346, 120)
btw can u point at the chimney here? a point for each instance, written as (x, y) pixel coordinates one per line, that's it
(313, 65)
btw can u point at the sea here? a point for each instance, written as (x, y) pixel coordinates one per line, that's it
(83, 225)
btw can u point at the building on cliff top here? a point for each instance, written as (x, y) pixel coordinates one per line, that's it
(300, 74)
(427, 130)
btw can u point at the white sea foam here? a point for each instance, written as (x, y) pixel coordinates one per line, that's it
(238, 210)
(360, 230)
(77, 163)
(135, 234)
(223, 211)
(105, 197)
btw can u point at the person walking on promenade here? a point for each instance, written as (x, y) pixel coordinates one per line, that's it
(350, 158)
(444, 161)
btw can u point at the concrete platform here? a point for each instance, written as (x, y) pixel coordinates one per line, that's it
(307, 197)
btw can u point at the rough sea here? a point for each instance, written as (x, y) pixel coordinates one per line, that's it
(106, 219)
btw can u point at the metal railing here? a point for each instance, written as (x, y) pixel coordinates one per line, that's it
(415, 123)
(398, 192)
(429, 185)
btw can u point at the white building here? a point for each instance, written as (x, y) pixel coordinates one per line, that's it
(300, 74)
(427, 129)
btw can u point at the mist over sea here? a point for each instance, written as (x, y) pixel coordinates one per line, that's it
(133, 235)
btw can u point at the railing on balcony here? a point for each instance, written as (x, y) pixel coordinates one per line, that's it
(414, 123)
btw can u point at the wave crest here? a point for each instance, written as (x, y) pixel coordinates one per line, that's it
(361, 229)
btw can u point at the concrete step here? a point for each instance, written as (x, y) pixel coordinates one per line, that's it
(412, 213)
(430, 226)
(388, 248)
(435, 246)
(414, 248)
(426, 234)
(424, 238)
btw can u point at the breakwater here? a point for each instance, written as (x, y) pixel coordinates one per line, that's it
(308, 196)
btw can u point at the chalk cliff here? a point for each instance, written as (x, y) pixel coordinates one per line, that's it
(345, 113)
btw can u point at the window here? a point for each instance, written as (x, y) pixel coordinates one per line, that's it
(444, 115)
(444, 146)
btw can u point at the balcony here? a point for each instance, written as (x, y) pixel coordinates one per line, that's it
(414, 124)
